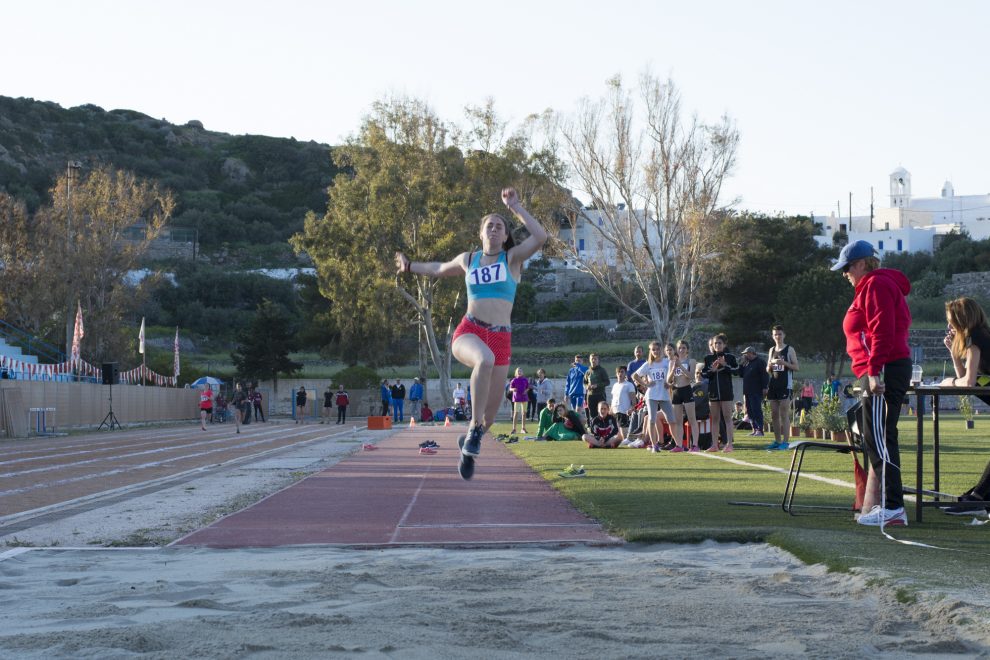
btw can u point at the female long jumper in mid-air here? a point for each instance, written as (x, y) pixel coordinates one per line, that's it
(483, 339)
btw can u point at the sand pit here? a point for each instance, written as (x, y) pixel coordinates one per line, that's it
(714, 600)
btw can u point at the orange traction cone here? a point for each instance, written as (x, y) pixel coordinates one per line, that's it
(446, 421)
(412, 422)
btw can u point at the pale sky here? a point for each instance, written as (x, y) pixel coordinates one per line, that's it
(829, 97)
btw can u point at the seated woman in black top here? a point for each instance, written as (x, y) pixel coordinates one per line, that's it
(968, 341)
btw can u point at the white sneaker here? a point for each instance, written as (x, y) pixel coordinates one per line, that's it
(889, 517)
(625, 443)
(637, 444)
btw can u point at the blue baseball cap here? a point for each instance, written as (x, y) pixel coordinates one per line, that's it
(853, 251)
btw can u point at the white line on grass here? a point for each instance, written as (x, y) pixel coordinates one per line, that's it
(804, 475)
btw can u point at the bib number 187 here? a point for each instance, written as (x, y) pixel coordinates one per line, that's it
(487, 274)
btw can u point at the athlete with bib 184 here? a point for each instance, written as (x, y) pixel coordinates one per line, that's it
(483, 339)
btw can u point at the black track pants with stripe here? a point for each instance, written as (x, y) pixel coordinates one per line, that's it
(880, 416)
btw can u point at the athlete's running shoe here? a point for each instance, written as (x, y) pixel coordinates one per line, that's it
(466, 465)
(472, 444)
(889, 517)
(570, 472)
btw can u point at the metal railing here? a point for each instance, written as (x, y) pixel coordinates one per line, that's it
(31, 345)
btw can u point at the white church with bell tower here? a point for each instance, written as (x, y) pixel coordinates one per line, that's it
(913, 224)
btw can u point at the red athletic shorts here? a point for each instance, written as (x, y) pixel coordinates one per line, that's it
(498, 340)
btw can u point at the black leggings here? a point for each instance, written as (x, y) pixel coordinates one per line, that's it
(880, 423)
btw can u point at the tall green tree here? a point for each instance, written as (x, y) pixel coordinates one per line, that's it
(80, 247)
(811, 306)
(412, 184)
(757, 256)
(263, 348)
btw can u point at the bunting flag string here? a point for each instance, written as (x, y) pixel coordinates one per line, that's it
(32, 371)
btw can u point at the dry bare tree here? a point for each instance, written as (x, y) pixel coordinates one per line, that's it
(654, 178)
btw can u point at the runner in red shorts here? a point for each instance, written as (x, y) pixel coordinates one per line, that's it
(483, 339)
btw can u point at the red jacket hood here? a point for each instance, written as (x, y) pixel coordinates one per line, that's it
(898, 278)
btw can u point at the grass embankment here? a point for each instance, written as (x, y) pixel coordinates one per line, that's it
(684, 498)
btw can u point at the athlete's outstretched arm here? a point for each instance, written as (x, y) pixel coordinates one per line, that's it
(537, 234)
(452, 268)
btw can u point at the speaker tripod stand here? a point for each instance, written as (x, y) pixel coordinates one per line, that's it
(110, 421)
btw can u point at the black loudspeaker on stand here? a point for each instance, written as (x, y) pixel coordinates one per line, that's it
(111, 376)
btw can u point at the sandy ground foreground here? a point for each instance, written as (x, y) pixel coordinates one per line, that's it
(714, 600)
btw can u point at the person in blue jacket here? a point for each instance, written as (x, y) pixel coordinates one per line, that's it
(386, 398)
(415, 397)
(574, 387)
(755, 380)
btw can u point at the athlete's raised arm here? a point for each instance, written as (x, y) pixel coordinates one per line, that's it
(537, 234)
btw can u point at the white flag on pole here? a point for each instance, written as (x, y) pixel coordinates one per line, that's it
(175, 365)
(141, 338)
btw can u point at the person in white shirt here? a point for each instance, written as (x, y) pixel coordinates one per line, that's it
(459, 397)
(544, 389)
(623, 399)
(653, 376)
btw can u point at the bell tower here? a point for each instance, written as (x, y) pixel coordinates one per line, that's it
(900, 188)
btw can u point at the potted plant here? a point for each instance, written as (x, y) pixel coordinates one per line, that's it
(816, 421)
(966, 410)
(827, 415)
(804, 424)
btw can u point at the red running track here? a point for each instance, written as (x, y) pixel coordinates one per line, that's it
(395, 496)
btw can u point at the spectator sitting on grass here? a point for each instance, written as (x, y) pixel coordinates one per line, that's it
(546, 418)
(739, 417)
(567, 425)
(604, 431)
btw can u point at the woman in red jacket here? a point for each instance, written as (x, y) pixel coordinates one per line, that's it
(876, 328)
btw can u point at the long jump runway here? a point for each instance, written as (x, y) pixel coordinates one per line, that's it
(45, 474)
(395, 496)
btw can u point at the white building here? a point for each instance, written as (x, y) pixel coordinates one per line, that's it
(911, 224)
(583, 234)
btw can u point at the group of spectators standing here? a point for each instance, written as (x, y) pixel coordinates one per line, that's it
(394, 398)
(215, 407)
(665, 400)
(338, 399)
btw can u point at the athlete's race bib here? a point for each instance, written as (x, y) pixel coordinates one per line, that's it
(491, 274)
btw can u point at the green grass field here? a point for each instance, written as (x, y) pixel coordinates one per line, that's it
(644, 497)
